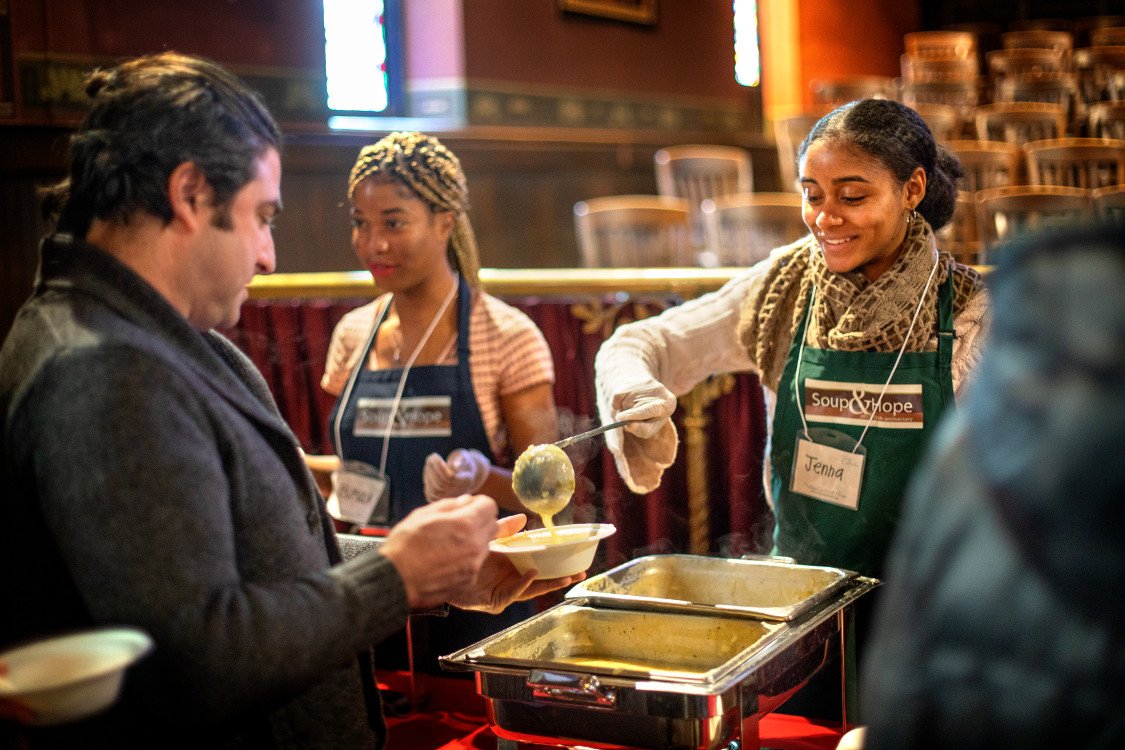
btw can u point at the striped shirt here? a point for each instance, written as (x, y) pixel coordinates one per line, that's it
(507, 353)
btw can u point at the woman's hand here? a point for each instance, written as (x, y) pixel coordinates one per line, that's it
(463, 473)
(645, 406)
(498, 584)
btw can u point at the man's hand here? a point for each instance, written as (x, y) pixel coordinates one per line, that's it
(439, 549)
(13, 709)
(498, 584)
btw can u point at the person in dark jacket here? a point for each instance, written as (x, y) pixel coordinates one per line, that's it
(1003, 621)
(148, 477)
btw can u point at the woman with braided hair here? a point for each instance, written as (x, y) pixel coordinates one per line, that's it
(863, 333)
(439, 384)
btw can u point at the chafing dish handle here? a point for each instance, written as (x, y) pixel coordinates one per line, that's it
(570, 688)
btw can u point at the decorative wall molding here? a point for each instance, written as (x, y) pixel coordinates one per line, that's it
(52, 87)
(55, 85)
(494, 103)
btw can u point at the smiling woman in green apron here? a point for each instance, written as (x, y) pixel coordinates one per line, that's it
(439, 385)
(862, 334)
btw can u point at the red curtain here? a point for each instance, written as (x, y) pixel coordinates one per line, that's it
(288, 341)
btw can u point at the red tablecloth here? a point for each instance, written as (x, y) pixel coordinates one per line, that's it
(454, 717)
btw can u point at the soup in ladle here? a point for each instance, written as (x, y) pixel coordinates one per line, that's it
(543, 480)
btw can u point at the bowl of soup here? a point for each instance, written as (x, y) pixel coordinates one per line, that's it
(73, 676)
(562, 551)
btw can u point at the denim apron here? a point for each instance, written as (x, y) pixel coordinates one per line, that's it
(437, 414)
(815, 532)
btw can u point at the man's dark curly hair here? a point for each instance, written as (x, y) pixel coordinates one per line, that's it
(148, 116)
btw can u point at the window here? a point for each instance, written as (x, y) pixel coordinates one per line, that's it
(363, 56)
(747, 60)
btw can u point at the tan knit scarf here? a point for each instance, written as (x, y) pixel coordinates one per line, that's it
(850, 313)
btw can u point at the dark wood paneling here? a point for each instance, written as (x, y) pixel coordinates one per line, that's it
(32, 158)
(523, 184)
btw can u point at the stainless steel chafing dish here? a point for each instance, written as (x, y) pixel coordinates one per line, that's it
(654, 654)
(713, 585)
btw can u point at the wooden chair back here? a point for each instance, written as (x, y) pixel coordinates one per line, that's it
(788, 132)
(1076, 162)
(1084, 27)
(943, 120)
(1027, 61)
(634, 231)
(918, 69)
(1044, 24)
(742, 228)
(1019, 122)
(1110, 203)
(1005, 212)
(986, 33)
(1107, 36)
(831, 93)
(988, 164)
(1106, 120)
(960, 237)
(697, 172)
(1041, 38)
(1052, 88)
(961, 95)
(941, 44)
(1098, 69)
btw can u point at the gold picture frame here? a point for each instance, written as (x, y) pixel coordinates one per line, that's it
(634, 11)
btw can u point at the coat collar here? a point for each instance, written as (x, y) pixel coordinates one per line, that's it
(70, 264)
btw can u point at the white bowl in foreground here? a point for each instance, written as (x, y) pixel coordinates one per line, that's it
(567, 551)
(72, 676)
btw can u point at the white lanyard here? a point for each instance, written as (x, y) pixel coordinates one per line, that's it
(875, 409)
(361, 363)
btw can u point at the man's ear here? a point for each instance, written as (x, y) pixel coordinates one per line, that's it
(189, 195)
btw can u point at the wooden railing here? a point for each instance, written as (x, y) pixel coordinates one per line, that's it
(512, 282)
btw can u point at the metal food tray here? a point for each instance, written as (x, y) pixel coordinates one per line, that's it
(759, 589)
(665, 646)
(584, 675)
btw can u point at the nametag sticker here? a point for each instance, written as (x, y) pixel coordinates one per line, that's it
(420, 416)
(832, 402)
(360, 494)
(828, 473)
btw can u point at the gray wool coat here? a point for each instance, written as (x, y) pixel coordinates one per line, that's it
(148, 480)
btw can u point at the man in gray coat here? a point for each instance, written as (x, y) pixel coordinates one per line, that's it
(148, 479)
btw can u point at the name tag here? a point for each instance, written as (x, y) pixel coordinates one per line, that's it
(853, 403)
(826, 469)
(360, 494)
(420, 416)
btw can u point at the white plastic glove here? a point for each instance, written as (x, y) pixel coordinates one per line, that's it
(463, 473)
(646, 405)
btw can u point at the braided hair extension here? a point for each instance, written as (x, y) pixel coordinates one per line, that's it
(433, 173)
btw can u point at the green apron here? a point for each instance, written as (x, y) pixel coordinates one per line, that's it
(815, 532)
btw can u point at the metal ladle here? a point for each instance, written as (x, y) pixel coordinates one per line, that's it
(543, 477)
(589, 434)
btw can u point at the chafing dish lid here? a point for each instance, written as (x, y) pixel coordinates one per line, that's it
(760, 589)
